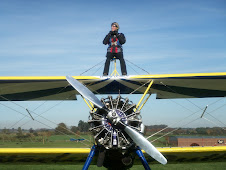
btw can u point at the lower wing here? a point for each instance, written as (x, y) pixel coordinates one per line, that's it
(79, 155)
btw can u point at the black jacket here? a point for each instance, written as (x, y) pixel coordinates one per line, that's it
(115, 41)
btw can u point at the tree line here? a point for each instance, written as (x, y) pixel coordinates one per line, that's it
(62, 128)
(83, 127)
(214, 131)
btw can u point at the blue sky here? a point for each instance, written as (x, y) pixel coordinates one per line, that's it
(58, 38)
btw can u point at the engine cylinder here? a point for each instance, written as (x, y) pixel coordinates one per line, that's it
(108, 135)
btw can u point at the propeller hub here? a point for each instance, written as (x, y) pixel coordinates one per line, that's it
(116, 115)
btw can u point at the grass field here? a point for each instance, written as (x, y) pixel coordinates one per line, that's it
(194, 166)
(55, 141)
(62, 141)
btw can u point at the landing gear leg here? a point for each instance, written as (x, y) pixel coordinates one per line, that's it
(89, 158)
(142, 158)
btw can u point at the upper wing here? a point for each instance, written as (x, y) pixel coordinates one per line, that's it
(79, 155)
(38, 88)
(165, 86)
(196, 85)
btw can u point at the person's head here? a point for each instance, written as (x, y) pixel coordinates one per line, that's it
(114, 26)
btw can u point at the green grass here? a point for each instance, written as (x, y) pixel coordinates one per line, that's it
(64, 137)
(55, 141)
(192, 166)
(59, 141)
(161, 142)
(62, 141)
(46, 145)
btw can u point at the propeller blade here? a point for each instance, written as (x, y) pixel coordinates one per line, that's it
(142, 142)
(84, 91)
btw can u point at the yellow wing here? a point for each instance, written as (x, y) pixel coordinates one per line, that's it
(79, 155)
(38, 88)
(194, 85)
(166, 86)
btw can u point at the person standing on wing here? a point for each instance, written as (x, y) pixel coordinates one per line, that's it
(115, 41)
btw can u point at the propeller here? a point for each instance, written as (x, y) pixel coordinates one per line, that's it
(139, 139)
(142, 142)
(84, 91)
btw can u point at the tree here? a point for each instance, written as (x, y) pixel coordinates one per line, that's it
(61, 129)
(201, 131)
(83, 126)
(19, 133)
(74, 129)
(31, 130)
(35, 134)
(6, 131)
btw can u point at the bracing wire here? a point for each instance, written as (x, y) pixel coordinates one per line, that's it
(188, 116)
(133, 69)
(37, 115)
(138, 66)
(197, 105)
(171, 125)
(216, 119)
(40, 106)
(175, 129)
(91, 68)
(42, 112)
(182, 120)
(139, 88)
(44, 123)
(98, 69)
(214, 123)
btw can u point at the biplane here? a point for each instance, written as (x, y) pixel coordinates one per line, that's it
(115, 123)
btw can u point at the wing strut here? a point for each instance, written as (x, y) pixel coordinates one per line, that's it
(91, 107)
(142, 98)
(204, 111)
(30, 114)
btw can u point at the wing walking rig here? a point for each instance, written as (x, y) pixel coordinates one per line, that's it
(115, 123)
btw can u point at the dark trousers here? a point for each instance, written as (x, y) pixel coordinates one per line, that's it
(119, 56)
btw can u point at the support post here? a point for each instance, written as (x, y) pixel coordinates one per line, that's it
(89, 158)
(115, 72)
(142, 158)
